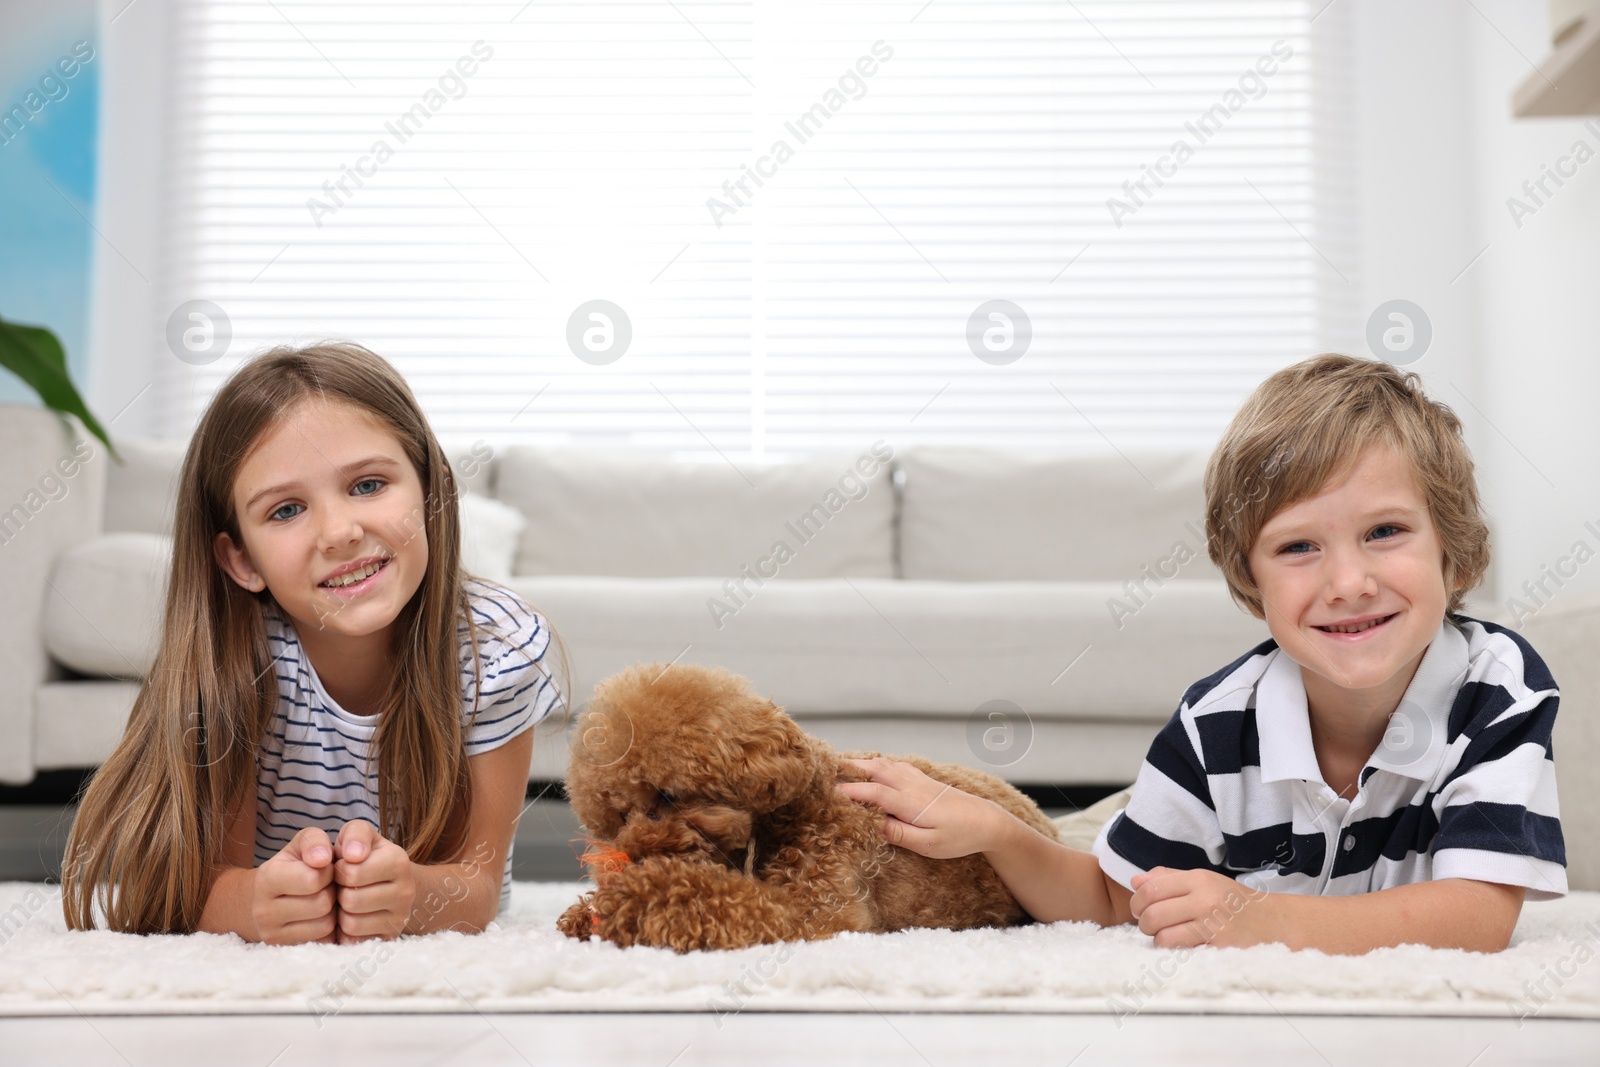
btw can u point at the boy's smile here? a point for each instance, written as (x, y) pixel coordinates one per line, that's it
(1352, 582)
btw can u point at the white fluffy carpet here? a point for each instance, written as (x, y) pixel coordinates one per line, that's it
(524, 964)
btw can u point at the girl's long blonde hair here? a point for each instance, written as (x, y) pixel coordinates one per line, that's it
(148, 840)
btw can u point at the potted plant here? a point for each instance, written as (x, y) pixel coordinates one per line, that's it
(35, 355)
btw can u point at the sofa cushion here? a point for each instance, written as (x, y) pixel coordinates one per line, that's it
(80, 722)
(102, 614)
(490, 530)
(592, 513)
(1055, 649)
(974, 515)
(141, 490)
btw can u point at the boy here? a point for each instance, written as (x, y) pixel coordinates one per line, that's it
(1379, 773)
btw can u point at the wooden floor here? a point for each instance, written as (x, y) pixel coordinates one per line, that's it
(868, 1039)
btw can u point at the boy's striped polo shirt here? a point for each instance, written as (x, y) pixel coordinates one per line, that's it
(1462, 786)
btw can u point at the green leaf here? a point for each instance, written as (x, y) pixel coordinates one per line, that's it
(35, 355)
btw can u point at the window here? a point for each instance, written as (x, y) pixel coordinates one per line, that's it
(804, 211)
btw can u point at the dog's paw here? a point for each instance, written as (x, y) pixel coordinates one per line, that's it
(618, 910)
(686, 907)
(580, 920)
(644, 903)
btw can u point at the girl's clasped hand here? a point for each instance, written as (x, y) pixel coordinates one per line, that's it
(358, 887)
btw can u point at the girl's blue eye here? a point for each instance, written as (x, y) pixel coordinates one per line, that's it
(1378, 533)
(375, 484)
(280, 513)
(1297, 548)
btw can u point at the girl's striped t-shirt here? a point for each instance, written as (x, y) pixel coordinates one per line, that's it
(317, 766)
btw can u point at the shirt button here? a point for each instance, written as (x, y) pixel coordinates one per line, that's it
(1349, 842)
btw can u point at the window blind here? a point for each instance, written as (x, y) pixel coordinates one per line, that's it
(821, 223)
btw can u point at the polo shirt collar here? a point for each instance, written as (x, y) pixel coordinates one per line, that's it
(1415, 741)
(1283, 723)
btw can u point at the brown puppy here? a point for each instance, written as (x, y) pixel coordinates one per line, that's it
(733, 834)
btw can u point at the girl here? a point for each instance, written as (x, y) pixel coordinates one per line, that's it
(325, 671)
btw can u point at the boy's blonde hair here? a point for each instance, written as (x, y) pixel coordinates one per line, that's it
(1305, 426)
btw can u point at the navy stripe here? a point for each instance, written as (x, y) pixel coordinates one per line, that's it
(1276, 846)
(330, 729)
(1145, 850)
(1508, 828)
(1496, 740)
(1393, 837)
(311, 744)
(1535, 674)
(515, 712)
(318, 782)
(1197, 692)
(262, 820)
(485, 743)
(1173, 756)
(1229, 741)
(319, 766)
(318, 803)
(1477, 705)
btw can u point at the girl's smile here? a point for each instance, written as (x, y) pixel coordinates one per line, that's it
(352, 579)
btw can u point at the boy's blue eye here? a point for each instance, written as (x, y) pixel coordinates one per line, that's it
(284, 513)
(374, 483)
(1296, 548)
(1387, 530)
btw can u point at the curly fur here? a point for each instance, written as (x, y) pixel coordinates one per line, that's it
(736, 835)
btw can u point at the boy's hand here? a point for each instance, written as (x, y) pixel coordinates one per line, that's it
(1181, 909)
(376, 884)
(922, 814)
(294, 897)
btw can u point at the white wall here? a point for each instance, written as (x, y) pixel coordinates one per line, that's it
(1513, 350)
(1537, 300)
(135, 91)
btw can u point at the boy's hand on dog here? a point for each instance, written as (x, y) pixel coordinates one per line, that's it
(294, 895)
(921, 813)
(1182, 909)
(376, 884)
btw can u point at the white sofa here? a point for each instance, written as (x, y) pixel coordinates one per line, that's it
(1036, 616)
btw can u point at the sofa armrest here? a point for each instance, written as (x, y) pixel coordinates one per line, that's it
(1567, 635)
(52, 485)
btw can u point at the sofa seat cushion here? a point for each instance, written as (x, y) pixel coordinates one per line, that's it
(102, 613)
(632, 515)
(975, 515)
(883, 646)
(80, 722)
